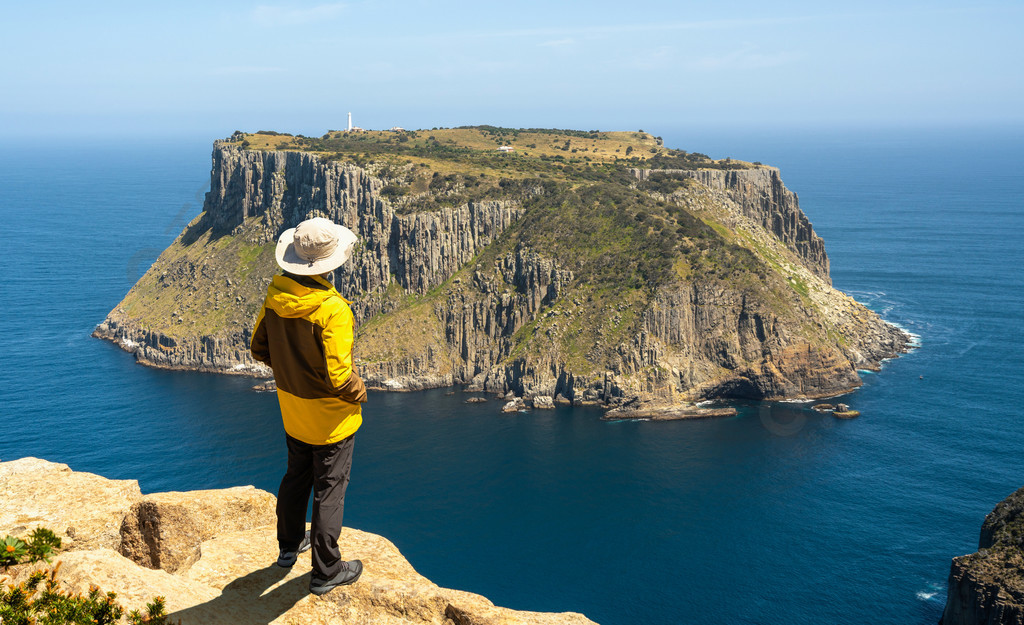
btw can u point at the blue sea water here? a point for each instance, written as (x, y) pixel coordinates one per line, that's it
(778, 515)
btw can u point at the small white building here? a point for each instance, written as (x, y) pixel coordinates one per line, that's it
(506, 148)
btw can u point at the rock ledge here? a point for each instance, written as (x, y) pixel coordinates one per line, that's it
(211, 555)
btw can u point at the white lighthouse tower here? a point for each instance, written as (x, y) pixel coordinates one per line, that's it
(350, 122)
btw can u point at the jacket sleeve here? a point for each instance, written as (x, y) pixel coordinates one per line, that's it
(260, 344)
(337, 338)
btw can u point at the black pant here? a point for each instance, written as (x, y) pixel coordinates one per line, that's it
(324, 469)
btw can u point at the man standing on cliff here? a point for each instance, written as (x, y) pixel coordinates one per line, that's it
(304, 333)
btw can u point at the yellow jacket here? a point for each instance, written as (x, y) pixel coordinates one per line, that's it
(304, 333)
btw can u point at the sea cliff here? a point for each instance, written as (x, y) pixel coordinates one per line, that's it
(211, 554)
(616, 284)
(987, 587)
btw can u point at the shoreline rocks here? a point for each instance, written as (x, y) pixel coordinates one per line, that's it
(668, 413)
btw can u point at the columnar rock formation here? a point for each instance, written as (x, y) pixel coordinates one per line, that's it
(465, 294)
(211, 554)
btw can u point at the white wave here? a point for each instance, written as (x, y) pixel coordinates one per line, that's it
(925, 596)
(127, 343)
(915, 338)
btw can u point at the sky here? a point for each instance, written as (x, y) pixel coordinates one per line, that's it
(209, 68)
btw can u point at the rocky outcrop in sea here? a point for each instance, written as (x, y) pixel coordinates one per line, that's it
(212, 555)
(987, 587)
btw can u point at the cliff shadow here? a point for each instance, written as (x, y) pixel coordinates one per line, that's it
(246, 600)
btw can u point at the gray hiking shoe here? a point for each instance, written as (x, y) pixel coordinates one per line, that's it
(287, 559)
(348, 575)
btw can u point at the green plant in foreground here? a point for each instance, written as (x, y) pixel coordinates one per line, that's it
(12, 551)
(20, 605)
(156, 614)
(42, 544)
(25, 604)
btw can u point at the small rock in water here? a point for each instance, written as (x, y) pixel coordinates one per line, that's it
(543, 402)
(514, 405)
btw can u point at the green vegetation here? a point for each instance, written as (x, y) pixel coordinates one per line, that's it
(41, 545)
(25, 604)
(169, 295)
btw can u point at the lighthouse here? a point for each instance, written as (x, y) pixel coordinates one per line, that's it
(350, 122)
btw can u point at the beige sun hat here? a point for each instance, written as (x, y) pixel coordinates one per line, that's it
(315, 246)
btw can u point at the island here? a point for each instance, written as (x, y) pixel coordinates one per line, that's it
(580, 267)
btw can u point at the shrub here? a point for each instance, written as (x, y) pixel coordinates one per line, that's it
(42, 543)
(23, 604)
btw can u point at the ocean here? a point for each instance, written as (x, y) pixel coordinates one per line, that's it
(777, 515)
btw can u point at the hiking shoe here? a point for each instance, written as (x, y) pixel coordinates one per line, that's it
(353, 569)
(287, 558)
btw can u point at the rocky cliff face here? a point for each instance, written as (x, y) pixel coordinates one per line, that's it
(471, 293)
(987, 587)
(211, 554)
(760, 196)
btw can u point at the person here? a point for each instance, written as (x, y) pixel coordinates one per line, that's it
(304, 333)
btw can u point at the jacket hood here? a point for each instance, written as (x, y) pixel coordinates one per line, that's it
(290, 299)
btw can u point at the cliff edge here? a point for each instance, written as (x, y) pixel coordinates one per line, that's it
(211, 554)
(987, 587)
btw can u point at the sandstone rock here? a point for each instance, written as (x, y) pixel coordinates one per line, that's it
(85, 510)
(160, 537)
(165, 530)
(235, 580)
(135, 585)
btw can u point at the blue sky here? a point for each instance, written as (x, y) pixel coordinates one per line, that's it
(194, 68)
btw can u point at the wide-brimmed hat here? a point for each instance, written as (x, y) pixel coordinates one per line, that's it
(315, 246)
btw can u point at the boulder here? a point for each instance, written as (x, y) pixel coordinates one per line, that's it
(543, 402)
(83, 509)
(165, 530)
(514, 405)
